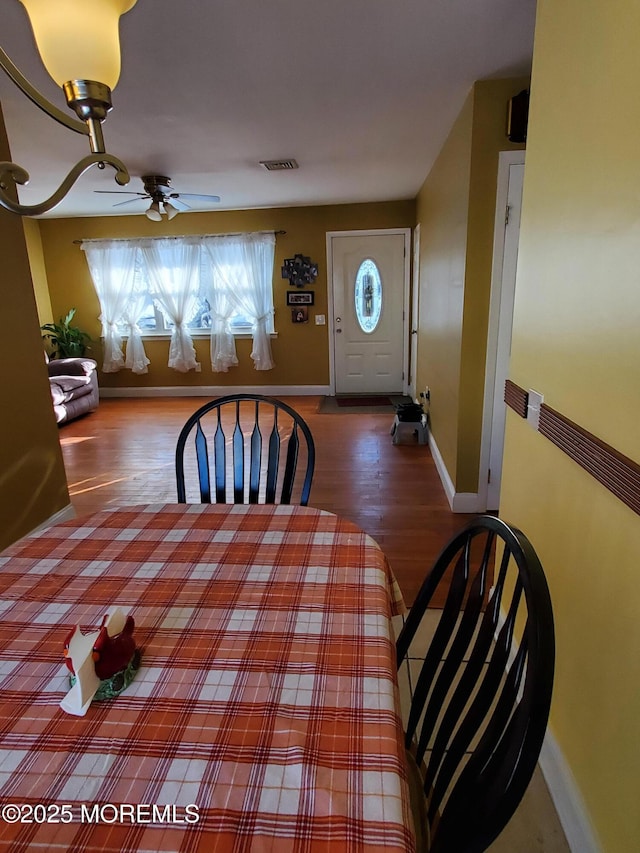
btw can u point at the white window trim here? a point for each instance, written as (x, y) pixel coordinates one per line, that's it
(202, 334)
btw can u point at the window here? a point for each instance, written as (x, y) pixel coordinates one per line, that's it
(220, 286)
(368, 295)
(153, 322)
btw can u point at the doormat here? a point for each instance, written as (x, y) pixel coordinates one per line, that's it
(337, 405)
(363, 401)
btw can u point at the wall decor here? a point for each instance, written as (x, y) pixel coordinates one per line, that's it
(300, 270)
(300, 314)
(300, 297)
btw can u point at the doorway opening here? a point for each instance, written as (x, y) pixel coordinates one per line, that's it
(503, 286)
(368, 292)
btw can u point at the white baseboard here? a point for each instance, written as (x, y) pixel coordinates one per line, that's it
(564, 792)
(468, 502)
(574, 818)
(216, 390)
(67, 512)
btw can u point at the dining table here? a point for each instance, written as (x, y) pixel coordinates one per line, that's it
(264, 715)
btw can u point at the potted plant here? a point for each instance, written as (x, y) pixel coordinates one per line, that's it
(66, 341)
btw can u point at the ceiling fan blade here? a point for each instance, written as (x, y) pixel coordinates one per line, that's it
(196, 196)
(177, 202)
(156, 186)
(131, 200)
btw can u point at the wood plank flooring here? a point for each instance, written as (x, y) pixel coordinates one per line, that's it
(124, 454)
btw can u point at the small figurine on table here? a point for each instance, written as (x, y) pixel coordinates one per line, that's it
(102, 664)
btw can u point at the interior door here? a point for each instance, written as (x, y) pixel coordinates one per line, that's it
(369, 283)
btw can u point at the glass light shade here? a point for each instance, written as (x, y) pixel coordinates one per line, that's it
(154, 212)
(170, 210)
(79, 39)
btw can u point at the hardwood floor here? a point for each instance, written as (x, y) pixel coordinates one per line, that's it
(124, 454)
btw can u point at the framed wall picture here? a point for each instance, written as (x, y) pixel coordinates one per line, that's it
(300, 270)
(300, 297)
(300, 314)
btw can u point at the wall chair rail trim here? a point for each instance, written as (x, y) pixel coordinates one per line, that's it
(516, 397)
(616, 472)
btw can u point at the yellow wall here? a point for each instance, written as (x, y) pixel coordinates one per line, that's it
(301, 352)
(576, 340)
(489, 124)
(32, 480)
(443, 211)
(38, 271)
(456, 209)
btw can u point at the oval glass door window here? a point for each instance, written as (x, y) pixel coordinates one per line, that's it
(368, 295)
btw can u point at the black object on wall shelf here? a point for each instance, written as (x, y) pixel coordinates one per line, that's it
(300, 270)
(518, 117)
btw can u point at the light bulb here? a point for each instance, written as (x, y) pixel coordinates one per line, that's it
(79, 39)
(154, 212)
(170, 210)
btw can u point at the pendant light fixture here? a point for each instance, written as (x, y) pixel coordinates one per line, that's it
(79, 44)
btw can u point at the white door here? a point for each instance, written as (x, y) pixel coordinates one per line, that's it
(369, 274)
(509, 204)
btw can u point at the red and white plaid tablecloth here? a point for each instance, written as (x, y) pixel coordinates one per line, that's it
(265, 714)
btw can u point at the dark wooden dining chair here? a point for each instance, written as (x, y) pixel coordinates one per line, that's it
(480, 701)
(245, 468)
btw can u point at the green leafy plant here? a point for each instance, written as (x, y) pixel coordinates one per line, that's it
(66, 341)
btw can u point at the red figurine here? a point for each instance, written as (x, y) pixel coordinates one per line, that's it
(114, 656)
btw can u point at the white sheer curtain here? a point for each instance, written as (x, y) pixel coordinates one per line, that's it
(242, 268)
(223, 344)
(112, 265)
(135, 356)
(174, 276)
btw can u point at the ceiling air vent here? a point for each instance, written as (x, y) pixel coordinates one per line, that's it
(278, 165)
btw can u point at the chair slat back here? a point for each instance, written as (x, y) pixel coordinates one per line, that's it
(481, 699)
(290, 467)
(273, 462)
(238, 459)
(256, 456)
(241, 464)
(220, 464)
(203, 466)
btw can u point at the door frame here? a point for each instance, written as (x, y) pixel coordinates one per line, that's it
(415, 314)
(369, 232)
(498, 328)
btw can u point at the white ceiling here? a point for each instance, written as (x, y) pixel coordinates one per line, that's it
(362, 93)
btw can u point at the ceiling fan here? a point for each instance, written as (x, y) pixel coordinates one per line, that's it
(158, 189)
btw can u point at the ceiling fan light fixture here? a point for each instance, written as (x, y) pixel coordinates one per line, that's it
(170, 210)
(154, 212)
(158, 188)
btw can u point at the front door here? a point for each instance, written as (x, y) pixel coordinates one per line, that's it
(370, 284)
